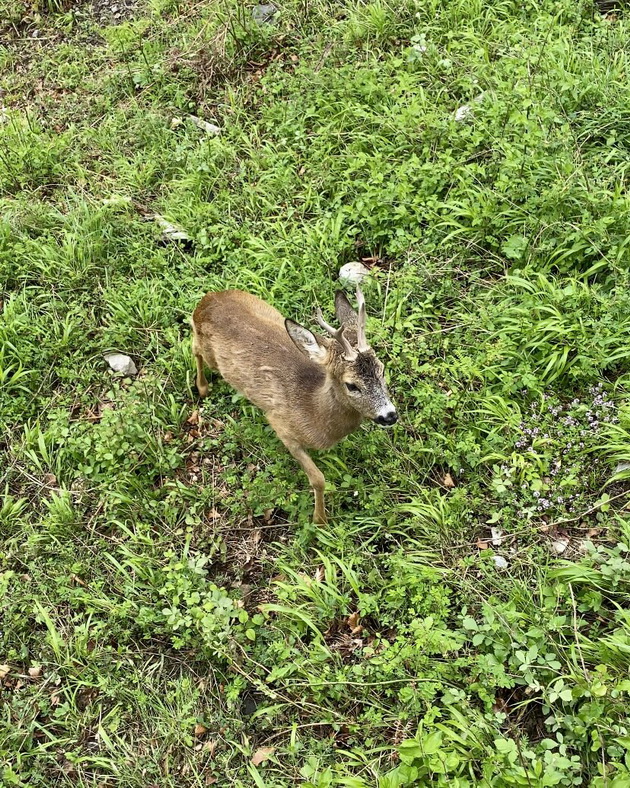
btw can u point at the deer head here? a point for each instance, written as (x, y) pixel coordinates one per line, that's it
(352, 366)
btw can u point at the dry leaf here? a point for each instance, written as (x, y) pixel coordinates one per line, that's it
(35, 671)
(4, 671)
(69, 769)
(482, 544)
(262, 754)
(353, 622)
(200, 729)
(319, 574)
(447, 481)
(210, 746)
(193, 418)
(210, 780)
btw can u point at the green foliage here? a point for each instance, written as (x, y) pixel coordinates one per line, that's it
(168, 609)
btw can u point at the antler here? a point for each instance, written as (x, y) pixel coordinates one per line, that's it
(362, 344)
(349, 353)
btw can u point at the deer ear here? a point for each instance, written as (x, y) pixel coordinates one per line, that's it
(344, 311)
(305, 341)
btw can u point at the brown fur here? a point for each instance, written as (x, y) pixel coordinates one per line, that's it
(246, 341)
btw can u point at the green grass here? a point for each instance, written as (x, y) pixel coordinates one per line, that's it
(168, 609)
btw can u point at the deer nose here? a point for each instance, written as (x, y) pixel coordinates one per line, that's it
(387, 419)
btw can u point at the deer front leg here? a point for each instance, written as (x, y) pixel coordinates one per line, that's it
(202, 383)
(316, 480)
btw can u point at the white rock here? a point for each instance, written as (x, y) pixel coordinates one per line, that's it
(264, 14)
(353, 273)
(463, 113)
(500, 562)
(209, 128)
(170, 231)
(560, 544)
(121, 364)
(497, 536)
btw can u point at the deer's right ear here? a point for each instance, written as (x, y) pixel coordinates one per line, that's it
(305, 341)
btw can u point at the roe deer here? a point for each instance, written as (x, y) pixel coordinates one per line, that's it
(314, 390)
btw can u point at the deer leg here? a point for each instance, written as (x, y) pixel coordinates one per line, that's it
(316, 480)
(202, 383)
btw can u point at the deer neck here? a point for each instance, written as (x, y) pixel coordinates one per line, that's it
(338, 419)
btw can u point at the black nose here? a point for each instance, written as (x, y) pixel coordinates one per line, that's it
(387, 419)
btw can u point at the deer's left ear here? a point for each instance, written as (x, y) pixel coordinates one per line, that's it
(344, 311)
(305, 341)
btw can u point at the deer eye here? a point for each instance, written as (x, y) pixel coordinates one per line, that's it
(352, 388)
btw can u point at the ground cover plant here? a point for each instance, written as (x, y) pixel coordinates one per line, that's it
(170, 617)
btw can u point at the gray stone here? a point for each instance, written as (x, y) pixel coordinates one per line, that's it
(121, 364)
(353, 273)
(209, 128)
(264, 14)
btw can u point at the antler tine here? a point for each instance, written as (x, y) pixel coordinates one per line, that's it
(319, 317)
(349, 353)
(362, 344)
